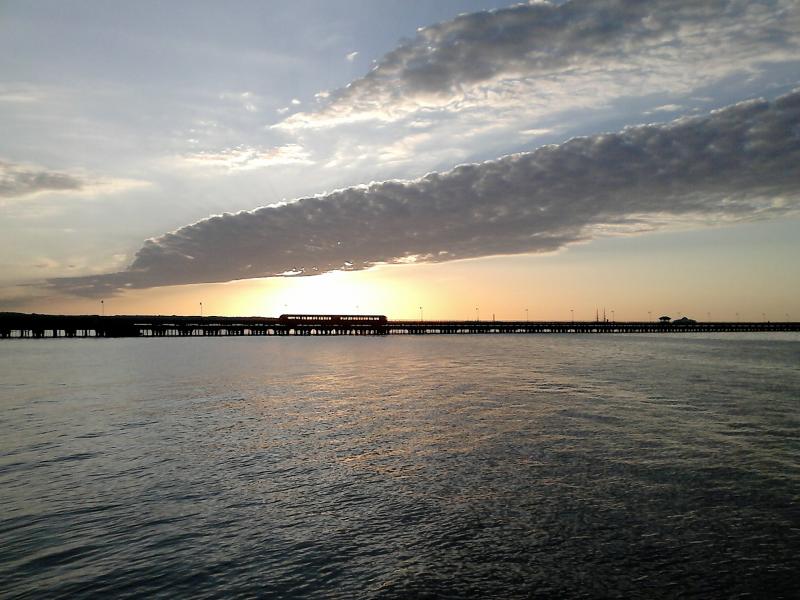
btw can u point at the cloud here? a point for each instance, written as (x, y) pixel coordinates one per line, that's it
(736, 164)
(241, 158)
(10, 300)
(535, 132)
(248, 100)
(666, 108)
(46, 263)
(20, 93)
(18, 180)
(525, 51)
(351, 57)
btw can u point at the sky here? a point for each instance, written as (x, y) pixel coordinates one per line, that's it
(450, 159)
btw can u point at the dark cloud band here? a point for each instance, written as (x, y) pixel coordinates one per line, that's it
(739, 163)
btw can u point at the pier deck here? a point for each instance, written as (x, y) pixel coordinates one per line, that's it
(35, 326)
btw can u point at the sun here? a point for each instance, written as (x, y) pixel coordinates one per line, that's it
(330, 293)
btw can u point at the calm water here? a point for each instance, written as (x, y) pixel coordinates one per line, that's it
(440, 466)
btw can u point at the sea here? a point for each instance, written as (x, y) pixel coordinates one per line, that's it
(439, 466)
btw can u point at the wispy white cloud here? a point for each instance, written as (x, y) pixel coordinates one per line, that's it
(737, 164)
(666, 108)
(535, 132)
(351, 57)
(247, 100)
(20, 94)
(242, 158)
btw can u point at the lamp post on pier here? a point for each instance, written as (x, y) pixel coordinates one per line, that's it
(477, 313)
(102, 308)
(420, 314)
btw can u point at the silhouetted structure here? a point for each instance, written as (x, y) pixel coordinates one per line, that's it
(19, 325)
(684, 321)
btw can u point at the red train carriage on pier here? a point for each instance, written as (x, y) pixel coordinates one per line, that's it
(332, 320)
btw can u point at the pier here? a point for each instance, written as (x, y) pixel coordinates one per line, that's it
(36, 326)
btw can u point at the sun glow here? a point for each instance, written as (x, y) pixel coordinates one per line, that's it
(331, 293)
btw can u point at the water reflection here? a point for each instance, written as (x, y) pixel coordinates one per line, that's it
(440, 467)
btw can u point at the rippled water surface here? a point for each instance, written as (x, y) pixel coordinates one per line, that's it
(438, 466)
